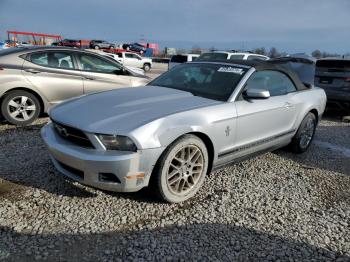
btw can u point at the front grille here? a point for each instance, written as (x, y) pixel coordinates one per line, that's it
(74, 171)
(72, 135)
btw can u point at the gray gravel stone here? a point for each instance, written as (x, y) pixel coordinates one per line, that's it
(278, 206)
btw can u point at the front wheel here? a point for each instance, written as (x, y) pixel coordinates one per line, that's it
(20, 108)
(97, 47)
(146, 67)
(305, 134)
(182, 169)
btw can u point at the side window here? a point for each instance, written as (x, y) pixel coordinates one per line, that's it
(119, 54)
(62, 60)
(127, 55)
(236, 57)
(39, 59)
(97, 64)
(275, 82)
(256, 57)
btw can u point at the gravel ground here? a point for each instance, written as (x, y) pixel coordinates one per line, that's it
(277, 206)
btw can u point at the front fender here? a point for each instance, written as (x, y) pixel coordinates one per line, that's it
(162, 132)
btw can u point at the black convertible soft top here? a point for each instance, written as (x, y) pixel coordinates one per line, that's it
(260, 65)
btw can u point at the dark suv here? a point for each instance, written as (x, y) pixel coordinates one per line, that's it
(333, 75)
(97, 44)
(136, 47)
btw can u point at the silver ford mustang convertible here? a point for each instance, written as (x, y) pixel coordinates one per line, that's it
(191, 120)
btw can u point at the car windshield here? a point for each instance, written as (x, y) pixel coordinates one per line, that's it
(212, 56)
(213, 81)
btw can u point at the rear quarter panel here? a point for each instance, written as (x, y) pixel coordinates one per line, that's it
(311, 99)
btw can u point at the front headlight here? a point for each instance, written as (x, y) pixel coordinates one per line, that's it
(122, 143)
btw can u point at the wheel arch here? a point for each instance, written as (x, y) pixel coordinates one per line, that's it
(209, 145)
(202, 136)
(315, 112)
(40, 99)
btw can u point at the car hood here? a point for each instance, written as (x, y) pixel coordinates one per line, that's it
(123, 110)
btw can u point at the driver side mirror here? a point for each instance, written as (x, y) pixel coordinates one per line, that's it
(255, 93)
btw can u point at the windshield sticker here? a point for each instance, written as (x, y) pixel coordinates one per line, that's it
(229, 69)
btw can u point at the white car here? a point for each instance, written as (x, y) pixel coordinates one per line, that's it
(183, 58)
(134, 60)
(222, 55)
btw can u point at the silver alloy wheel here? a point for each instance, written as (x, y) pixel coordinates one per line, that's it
(307, 133)
(185, 170)
(21, 108)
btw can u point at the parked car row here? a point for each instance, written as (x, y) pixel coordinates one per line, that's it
(101, 44)
(223, 55)
(211, 56)
(128, 59)
(10, 43)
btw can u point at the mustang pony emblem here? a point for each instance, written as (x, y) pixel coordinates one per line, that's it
(227, 131)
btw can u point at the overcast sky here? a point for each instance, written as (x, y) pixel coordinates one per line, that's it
(290, 25)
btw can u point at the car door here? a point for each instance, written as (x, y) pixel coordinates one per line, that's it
(132, 60)
(261, 122)
(54, 74)
(101, 73)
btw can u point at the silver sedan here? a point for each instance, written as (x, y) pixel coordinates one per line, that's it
(191, 120)
(32, 79)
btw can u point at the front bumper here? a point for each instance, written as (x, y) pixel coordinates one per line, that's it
(90, 166)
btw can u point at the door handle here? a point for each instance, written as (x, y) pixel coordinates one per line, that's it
(89, 78)
(32, 70)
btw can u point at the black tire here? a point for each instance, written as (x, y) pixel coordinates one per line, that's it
(146, 67)
(189, 175)
(31, 115)
(305, 134)
(96, 47)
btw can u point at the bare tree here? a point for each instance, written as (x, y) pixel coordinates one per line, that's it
(260, 51)
(273, 52)
(212, 49)
(316, 54)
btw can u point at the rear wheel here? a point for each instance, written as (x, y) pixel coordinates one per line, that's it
(182, 169)
(305, 134)
(97, 47)
(20, 108)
